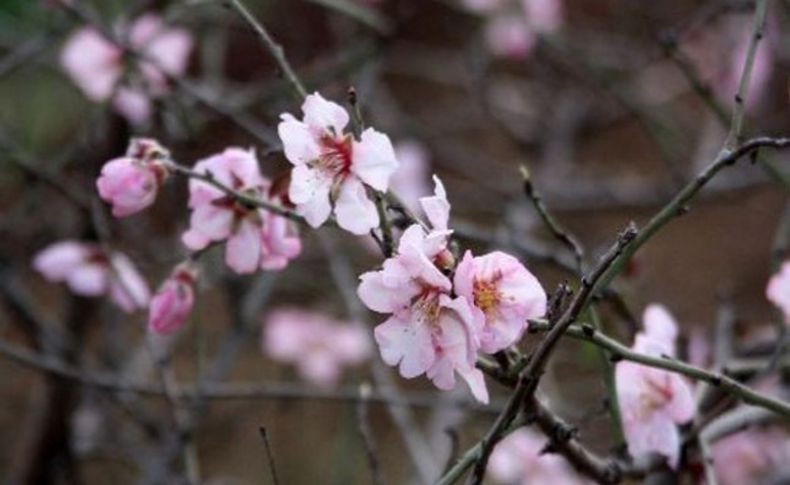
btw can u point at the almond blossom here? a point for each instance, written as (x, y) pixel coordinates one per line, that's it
(429, 331)
(256, 238)
(318, 346)
(509, 36)
(653, 402)
(332, 170)
(520, 459)
(173, 302)
(96, 64)
(750, 456)
(504, 295)
(778, 290)
(410, 180)
(130, 183)
(88, 271)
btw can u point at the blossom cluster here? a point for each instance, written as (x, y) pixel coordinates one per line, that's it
(443, 308)
(653, 402)
(98, 65)
(442, 315)
(512, 27)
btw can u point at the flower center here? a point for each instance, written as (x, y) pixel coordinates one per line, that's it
(335, 159)
(427, 307)
(486, 295)
(656, 395)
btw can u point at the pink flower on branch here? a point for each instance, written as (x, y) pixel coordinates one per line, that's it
(318, 346)
(256, 238)
(173, 302)
(778, 290)
(504, 295)
(332, 170)
(520, 459)
(653, 402)
(88, 271)
(96, 64)
(429, 332)
(130, 183)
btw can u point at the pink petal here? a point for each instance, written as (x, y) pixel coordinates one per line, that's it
(128, 288)
(436, 207)
(299, 143)
(401, 342)
(88, 279)
(355, 212)
(243, 250)
(92, 62)
(374, 159)
(309, 191)
(134, 105)
(58, 260)
(212, 221)
(321, 115)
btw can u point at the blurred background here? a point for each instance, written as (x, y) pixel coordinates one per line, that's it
(612, 106)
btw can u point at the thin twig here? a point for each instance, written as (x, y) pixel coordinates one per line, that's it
(736, 125)
(240, 197)
(559, 233)
(371, 450)
(269, 455)
(679, 204)
(719, 380)
(272, 46)
(113, 382)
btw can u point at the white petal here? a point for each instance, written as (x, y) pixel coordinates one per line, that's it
(355, 212)
(373, 159)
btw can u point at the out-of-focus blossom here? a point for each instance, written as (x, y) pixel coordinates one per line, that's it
(256, 238)
(428, 332)
(483, 6)
(173, 302)
(88, 271)
(653, 402)
(332, 169)
(504, 294)
(97, 65)
(543, 16)
(778, 290)
(750, 456)
(410, 180)
(519, 459)
(130, 183)
(509, 36)
(318, 346)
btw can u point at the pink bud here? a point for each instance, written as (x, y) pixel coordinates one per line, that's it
(130, 183)
(173, 303)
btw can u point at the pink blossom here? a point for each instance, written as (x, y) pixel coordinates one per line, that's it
(130, 183)
(428, 332)
(653, 401)
(750, 456)
(504, 294)
(483, 6)
(93, 62)
(509, 36)
(97, 65)
(778, 290)
(255, 237)
(410, 180)
(543, 16)
(173, 303)
(88, 271)
(318, 346)
(519, 459)
(332, 169)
